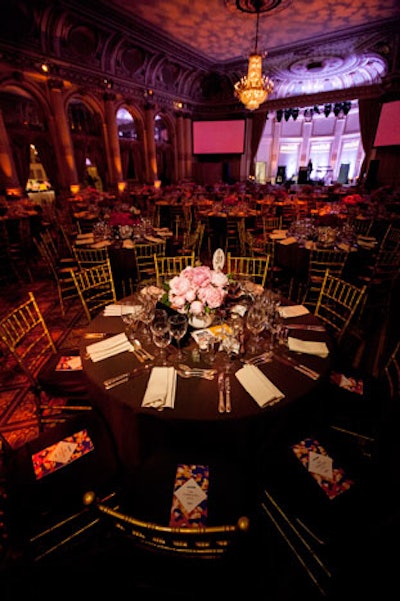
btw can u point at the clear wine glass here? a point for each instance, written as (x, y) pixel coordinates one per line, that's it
(161, 334)
(178, 324)
(147, 315)
(255, 323)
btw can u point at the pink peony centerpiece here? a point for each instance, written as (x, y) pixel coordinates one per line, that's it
(196, 290)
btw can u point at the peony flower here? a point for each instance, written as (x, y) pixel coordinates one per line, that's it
(196, 290)
(196, 308)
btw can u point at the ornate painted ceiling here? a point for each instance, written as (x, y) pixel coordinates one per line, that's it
(311, 46)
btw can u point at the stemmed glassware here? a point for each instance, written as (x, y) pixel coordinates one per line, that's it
(161, 333)
(147, 314)
(178, 325)
(132, 320)
(255, 323)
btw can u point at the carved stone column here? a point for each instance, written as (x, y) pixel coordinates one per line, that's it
(113, 151)
(180, 146)
(8, 176)
(151, 157)
(61, 135)
(188, 147)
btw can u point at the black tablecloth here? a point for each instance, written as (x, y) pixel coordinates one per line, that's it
(195, 420)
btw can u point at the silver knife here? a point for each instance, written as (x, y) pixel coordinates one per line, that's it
(221, 388)
(122, 378)
(228, 394)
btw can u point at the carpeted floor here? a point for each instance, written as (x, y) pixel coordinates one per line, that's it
(17, 420)
(281, 581)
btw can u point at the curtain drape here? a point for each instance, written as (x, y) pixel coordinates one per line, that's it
(369, 117)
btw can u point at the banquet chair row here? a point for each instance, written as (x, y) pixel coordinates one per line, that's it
(51, 373)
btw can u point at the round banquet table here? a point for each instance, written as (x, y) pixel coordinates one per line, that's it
(195, 419)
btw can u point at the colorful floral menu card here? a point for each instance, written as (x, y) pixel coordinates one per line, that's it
(189, 502)
(330, 477)
(61, 453)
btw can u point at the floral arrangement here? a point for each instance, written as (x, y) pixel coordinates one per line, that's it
(352, 199)
(123, 218)
(196, 290)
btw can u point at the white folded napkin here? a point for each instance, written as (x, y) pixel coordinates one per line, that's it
(310, 347)
(153, 239)
(161, 388)
(84, 236)
(292, 311)
(84, 241)
(113, 310)
(109, 347)
(287, 241)
(258, 385)
(101, 244)
(277, 234)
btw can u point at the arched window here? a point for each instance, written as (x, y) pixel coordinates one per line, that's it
(161, 133)
(126, 125)
(82, 120)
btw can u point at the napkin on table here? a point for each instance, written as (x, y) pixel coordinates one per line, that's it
(153, 239)
(109, 347)
(161, 388)
(310, 347)
(292, 311)
(115, 310)
(287, 241)
(258, 385)
(101, 244)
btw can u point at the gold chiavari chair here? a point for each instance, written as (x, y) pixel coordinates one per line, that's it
(95, 287)
(25, 334)
(61, 275)
(319, 261)
(88, 257)
(205, 543)
(337, 304)
(168, 267)
(391, 239)
(144, 259)
(193, 242)
(252, 268)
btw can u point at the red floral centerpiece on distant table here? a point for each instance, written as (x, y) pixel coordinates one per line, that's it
(196, 291)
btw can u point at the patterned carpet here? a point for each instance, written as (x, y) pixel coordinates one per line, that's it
(17, 419)
(18, 423)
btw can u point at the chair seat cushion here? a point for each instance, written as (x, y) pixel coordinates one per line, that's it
(68, 383)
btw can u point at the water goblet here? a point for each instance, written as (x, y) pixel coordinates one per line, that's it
(255, 323)
(178, 324)
(161, 335)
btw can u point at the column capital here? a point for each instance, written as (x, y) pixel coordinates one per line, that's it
(109, 96)
(55, 83)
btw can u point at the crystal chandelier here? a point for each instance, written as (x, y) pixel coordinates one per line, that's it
(253, 89)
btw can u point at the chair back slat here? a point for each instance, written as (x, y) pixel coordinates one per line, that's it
(252, 268)
(95, 287)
